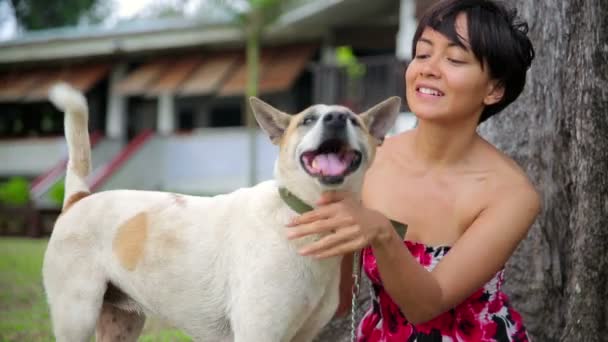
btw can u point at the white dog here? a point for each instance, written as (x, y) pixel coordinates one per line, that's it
(220, 268)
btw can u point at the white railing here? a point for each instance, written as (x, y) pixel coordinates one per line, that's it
(383, 78)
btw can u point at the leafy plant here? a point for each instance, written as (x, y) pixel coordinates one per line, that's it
(38, 15)
(355, 71)
(346, 58)
(57, 192)
(15, 191)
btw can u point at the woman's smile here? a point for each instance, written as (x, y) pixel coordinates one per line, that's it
(428, 92)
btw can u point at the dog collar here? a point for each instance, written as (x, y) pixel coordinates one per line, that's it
(293, 201)
(301, 207)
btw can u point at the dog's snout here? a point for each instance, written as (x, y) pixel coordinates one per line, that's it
(335, 119)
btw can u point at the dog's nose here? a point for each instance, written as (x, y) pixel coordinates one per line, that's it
(335, 120)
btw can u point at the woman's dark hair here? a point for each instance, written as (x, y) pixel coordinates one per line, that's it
(496, 37)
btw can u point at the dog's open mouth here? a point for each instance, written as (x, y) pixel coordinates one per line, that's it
(331, 162)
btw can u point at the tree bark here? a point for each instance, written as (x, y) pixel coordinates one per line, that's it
(558, 132)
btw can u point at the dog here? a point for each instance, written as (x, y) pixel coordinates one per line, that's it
(219, 268)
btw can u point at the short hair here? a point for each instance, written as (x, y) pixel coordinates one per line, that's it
(497, 38)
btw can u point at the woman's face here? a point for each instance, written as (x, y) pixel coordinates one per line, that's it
(445, 81)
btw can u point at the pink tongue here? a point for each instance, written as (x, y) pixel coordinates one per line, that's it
(329, 164)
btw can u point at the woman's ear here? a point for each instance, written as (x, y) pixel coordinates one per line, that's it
(496, 91)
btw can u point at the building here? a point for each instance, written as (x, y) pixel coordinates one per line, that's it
(166, 97)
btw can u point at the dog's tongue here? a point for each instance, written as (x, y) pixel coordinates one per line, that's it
(329, 164)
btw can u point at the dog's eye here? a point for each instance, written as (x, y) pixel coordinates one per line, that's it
(354, 122)
(309, 120)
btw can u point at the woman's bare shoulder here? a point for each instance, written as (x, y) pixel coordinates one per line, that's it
(510, 177)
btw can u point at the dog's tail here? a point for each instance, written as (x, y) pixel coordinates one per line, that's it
(74, 104)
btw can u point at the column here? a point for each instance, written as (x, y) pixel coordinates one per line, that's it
(116, 123)
(407, 29)
(166, 114)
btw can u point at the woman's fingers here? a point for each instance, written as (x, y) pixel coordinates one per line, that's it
(341, 249)
(319, 213)
(329, 241)
(309, 217)
(336, 220)
(318, 226)
(332, 197)
(330, 203)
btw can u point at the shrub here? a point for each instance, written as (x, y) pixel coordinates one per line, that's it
(15, 192)
(57, 192)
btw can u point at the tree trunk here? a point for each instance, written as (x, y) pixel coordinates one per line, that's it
(253, 33)
(558, 131)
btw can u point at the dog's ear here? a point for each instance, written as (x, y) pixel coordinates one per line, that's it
(273, 121)
(380, 118)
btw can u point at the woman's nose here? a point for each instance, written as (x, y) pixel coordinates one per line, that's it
(430, 67)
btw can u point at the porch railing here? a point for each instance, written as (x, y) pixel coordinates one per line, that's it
(383, 78)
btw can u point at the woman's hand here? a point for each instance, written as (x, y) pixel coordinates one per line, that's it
(343, 222)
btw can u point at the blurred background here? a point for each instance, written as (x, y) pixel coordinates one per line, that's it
(166, 82)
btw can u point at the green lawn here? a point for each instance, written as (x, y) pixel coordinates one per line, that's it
(23, 311)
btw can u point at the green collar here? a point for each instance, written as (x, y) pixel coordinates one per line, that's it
(294, 202)
(301, 207)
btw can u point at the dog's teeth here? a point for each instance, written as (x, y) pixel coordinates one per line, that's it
(315, 164)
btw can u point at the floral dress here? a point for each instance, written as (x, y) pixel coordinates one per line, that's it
(484, 316)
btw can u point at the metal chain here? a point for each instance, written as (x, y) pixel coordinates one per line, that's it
(401, 229)
(355, 291)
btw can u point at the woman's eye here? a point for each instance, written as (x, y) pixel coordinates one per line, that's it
(456, 61)
(422, 56)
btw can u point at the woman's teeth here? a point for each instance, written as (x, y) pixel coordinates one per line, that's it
(429, 91)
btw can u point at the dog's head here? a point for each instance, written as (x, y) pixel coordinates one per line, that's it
(325, 147)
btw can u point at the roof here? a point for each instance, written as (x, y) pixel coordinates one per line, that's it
(195, 73)
(308, 20)
(223, 73)
(34, 84)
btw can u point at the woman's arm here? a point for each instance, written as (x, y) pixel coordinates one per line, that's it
(421, 295)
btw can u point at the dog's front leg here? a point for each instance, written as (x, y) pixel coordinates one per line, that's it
(321, 315)
(267, 323)
(270, 315)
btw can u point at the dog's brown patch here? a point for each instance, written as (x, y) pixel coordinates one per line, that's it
(292, 128)
(373, 144)
(73, 199)
(130, 240)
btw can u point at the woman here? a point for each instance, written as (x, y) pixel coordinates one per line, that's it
(467, 204)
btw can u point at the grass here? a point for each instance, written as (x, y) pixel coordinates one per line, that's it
(23, 310)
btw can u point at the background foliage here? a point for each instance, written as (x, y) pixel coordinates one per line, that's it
(15, 192)
(38, 14)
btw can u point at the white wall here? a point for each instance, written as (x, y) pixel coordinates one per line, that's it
(30, 157)
(405, 121)
(209, 161)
